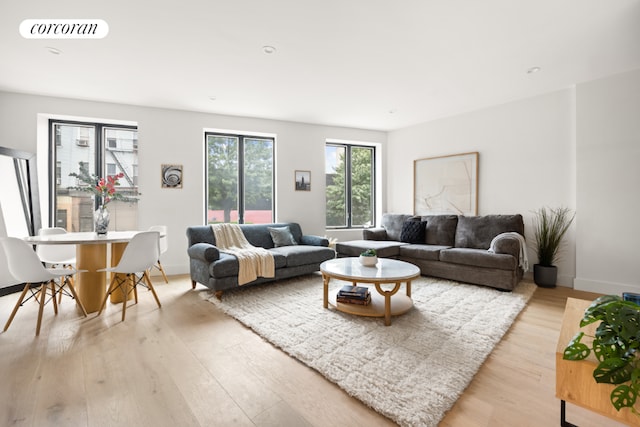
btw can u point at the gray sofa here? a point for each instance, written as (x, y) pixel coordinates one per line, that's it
(453, 247)
(219, 271)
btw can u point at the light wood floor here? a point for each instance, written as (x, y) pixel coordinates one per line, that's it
(188, 364)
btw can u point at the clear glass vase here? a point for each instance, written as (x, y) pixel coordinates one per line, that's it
(101, 220)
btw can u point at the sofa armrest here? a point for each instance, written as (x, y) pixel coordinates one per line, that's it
(509, 246)
(204, 252)
(314, 241)
(374, 234)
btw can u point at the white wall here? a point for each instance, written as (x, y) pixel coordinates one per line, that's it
(608, 184)
(526, 160)
(171, 136)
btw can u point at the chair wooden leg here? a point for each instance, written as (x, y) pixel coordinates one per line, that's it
(133, 285)
(53, 296)
(124, 308)
(43, 296)
(15, 309)
(163, 273)
(193, 284)
(153, 291)
(111, 289)
(75, 295)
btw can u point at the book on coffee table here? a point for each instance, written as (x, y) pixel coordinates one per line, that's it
(360, 292)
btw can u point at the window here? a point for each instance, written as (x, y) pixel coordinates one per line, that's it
(77, 147)
(350, 185)
(240, 178)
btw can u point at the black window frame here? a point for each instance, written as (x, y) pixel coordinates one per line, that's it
(101, 146)
(348, 195)
(241, 163)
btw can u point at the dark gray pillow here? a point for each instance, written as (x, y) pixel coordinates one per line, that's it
(413, 232)
(281, 236)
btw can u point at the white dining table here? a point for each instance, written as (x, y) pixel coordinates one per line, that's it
(91, 256)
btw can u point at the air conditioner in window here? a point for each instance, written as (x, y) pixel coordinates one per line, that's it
(82, 142)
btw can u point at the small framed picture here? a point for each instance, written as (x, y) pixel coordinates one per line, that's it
(171, 176)
(303, 180)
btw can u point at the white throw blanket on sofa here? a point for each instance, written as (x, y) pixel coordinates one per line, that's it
(523, 260)
(254, 261)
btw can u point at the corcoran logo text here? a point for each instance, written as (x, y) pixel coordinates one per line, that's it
(64, 29)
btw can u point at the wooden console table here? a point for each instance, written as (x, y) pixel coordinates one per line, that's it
(574, 379)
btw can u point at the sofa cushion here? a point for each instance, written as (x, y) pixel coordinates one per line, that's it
(281, 236)
(441, 229)
(412, 232)
(477, 231)
(384, 248)
(423, 252)
(302, 255)
(393, 224)
(228, 265)
(478, 258)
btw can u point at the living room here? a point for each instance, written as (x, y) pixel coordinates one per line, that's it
(574, 144)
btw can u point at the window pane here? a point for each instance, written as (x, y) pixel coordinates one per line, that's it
(75, 147)
(121, 157)
(76, 152)
(336, 182)
(222, 176)
(361, 186)
(258, 181)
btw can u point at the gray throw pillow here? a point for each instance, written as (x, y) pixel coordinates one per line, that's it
(281, 236)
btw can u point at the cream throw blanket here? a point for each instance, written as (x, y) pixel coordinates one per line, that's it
(254, 262)
(523, 260)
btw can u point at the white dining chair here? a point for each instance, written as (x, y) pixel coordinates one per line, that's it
(163, 246)
(25, 266)
(132, 270)
(57, 255)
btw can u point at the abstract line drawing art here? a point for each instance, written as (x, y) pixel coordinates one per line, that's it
(446, 185)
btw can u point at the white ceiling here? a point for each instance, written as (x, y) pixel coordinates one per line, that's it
(372, 64)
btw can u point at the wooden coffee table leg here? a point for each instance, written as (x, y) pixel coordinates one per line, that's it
(325, 297)
(409, 288)
(387, 300)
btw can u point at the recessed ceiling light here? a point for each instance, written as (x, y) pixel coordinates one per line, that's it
(212, 98)
(533, 70)
(53, 50)
(268, 49)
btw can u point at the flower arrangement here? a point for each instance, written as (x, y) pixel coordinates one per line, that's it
(369, 252)
(103, 188)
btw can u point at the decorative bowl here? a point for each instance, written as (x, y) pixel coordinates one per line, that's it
(368, 261)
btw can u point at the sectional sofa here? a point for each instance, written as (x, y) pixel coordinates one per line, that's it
(451, 247)
(294, 255)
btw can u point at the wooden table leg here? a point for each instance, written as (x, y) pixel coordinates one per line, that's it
(325, 297)
(91, 285)
(117, 250)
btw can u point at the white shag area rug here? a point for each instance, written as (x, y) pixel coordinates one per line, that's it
(412, 371)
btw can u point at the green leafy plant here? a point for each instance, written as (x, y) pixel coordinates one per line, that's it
(550, 226)
(369, 252)
(104, 189)
(615, 346)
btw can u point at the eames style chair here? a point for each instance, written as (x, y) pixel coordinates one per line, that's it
(25, 266)
(57, 255)
(140, 255)
(164, 245)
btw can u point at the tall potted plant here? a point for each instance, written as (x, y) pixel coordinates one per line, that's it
(549, 227)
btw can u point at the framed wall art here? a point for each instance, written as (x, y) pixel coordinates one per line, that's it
(171, 176)
(303, 180)
(446, 185)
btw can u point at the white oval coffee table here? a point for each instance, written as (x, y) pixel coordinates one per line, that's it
(385, 302)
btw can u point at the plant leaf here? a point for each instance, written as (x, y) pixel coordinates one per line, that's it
(576, 350)
(613, 371)
(597, 310)
(623, 396)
